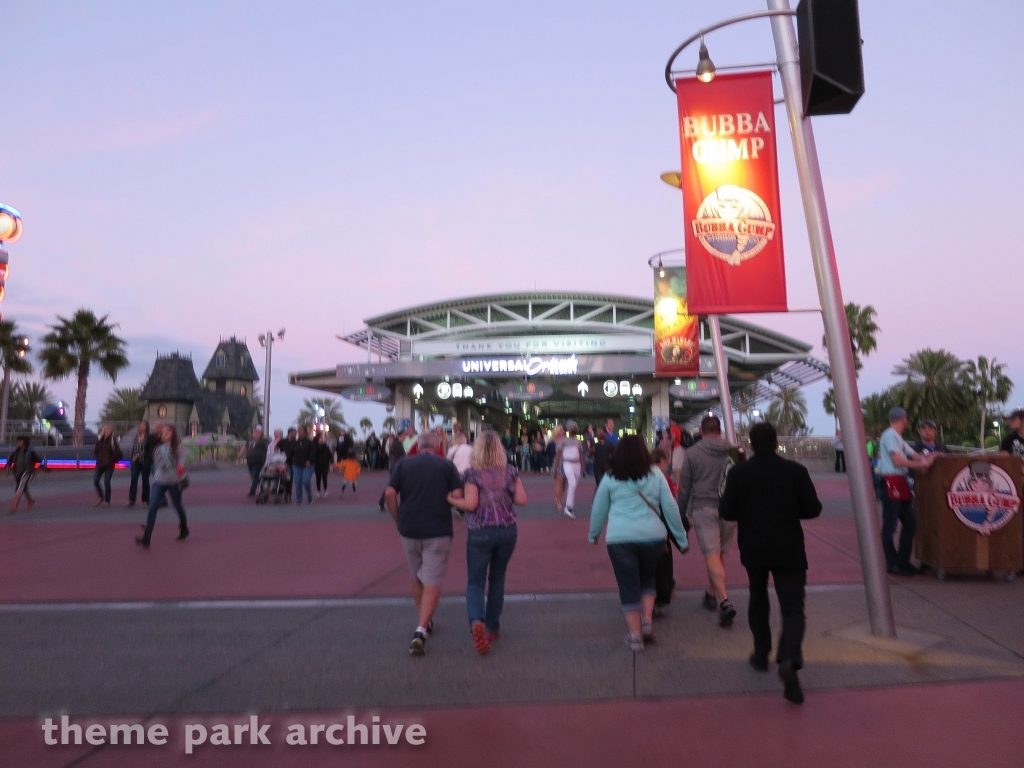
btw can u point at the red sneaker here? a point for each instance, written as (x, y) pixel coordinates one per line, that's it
(481, 641)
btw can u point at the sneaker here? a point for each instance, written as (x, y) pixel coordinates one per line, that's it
(142, 541)
(31, 504)
(647, 631)
(709, 602)
(792, 692)
(182, 534)
(726, 613)
(635, 643)
(899, 570)
(758, 662)
(430, 628)
(481, 642)
(418, 645)
(569, 513)
(660, 611)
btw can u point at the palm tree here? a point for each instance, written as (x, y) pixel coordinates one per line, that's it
(932, 387)
(28, 398)
(863, 332)
(13, 349)
(389, 423)
(72, 346)
(124, 406)
(876, 412)
(365, 424)
(322, 410)
(788, 411)
(988, 384)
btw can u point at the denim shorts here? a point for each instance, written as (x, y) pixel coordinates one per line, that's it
(634, 564)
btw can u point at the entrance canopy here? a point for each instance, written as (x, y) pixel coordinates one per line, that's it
(551, 356)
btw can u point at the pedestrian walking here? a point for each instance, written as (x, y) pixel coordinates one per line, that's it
(895, 459)
(767, 497)
(524, 452)
(551, 453)
(371, 449)
(303, 455)
(461, 452)
(569, 457)
(635, 500)
(837, 442)
(350, 469)
(22, 463)
(168, 475)
(322, 465)
(418, 496)
(107, 453)
(255, 453)
(396, 452)
(143, 445)
(664, 574)
(602, 452)
(491, 488)
(700, 484)
(287, 446)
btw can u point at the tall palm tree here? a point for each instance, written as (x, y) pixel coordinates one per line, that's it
(876, 409)
(332, 416)
(124, 405)
(788, 411)
(365, 424)
(13, 349)
(28, 398)
(73, 345)
(389, 423)
(988, 384)
(863, 332)
(932, 387)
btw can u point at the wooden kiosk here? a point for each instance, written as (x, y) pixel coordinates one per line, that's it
(969, 516)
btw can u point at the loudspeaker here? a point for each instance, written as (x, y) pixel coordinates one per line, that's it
(831, 67)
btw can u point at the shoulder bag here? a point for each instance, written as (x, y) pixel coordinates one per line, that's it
(661, 516)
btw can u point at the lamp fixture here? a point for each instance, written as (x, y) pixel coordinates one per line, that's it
(705, 67)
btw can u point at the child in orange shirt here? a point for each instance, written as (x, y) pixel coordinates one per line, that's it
(350, 468)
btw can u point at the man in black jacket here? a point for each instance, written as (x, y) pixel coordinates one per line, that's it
(768, 496)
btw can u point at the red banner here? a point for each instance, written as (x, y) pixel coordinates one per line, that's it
(676, 331)
(731, 195)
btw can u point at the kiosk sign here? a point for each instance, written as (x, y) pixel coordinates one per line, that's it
(731, 195)
(983, 497)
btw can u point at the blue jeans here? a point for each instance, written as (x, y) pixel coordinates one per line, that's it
(302, 477)
(254, 473)
(106, 474)
(490, 549)
(160, 492)
(140, 469)
(902, 512)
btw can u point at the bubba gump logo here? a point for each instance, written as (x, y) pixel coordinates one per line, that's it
(733, 224)
(983, 497)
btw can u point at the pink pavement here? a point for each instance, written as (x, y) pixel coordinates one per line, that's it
(935, 726)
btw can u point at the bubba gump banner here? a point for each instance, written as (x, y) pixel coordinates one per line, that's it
(676, 331)
(731, 194)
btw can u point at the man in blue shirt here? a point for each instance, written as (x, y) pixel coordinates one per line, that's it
(610, 434)
(895, 459)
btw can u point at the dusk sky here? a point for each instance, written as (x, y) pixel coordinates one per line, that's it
(207, 169)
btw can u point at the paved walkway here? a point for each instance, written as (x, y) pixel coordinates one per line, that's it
(301, 615)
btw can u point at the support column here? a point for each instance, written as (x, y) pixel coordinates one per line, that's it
(403, 405)
(722, 364)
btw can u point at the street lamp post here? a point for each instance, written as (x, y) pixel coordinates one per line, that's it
(21, 348)
(267, 342)
(837, 333)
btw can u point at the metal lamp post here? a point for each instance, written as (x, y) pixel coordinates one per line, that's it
(267, 342)
(837, 333)
(10, 232)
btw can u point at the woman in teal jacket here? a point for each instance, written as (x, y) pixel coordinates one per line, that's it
(628, 499)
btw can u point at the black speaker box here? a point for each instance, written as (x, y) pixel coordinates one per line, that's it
(831, 67)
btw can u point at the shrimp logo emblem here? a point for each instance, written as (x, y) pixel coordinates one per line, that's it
(983, 497)
(733, 224)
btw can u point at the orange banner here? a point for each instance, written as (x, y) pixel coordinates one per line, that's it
(676, 332)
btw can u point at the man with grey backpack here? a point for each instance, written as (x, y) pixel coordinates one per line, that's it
(700, 482)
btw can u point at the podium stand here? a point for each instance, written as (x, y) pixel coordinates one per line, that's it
(969, 515)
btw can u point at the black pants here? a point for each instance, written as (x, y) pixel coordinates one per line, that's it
(840, 461)
(664, 578)
(140, 469)
(103, 473)
(321, 477)
(903, 513)
(789, 587)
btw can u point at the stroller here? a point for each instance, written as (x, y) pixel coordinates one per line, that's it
(274, 480)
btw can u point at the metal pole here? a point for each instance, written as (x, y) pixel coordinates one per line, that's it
(722, 366)
(7, 397)
(266, 387)
(837, 334)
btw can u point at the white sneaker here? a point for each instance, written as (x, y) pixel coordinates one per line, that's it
(570, 514)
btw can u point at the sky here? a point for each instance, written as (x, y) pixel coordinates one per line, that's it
(199, 170)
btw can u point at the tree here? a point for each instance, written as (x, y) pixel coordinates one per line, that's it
(389, 423)
(988, 384)
(365, 424)
(331, 415)
(73, 345)
(863, 332)
(28, 398)
(124, 405)
(788, 412)
(932, 387)
(876, 408)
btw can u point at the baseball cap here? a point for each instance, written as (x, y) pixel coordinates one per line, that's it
(1016, 413)
(897, 413)
(927, 423)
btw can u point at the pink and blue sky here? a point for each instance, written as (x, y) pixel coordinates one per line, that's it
(207, 169)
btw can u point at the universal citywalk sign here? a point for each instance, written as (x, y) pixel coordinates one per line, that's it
(730, 186)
